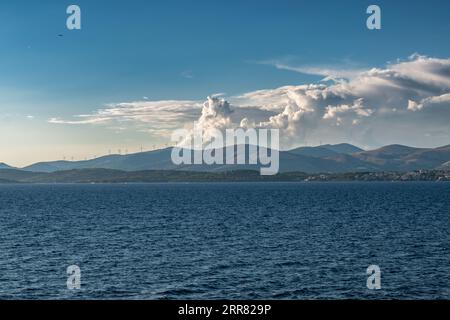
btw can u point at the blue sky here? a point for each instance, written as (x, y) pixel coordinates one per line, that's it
(180, 50)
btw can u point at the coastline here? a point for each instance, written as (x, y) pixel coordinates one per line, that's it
(98, 176)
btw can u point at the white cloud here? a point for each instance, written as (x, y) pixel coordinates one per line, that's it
(187, 74)
(151, 116)
(428, 102)
(328, 72)
(370, 107)
(335, 112)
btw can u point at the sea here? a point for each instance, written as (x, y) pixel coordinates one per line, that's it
(225, 240)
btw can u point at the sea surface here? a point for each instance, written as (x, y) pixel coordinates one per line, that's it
(225, 240)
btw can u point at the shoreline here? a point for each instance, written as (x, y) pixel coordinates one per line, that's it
(108, 176)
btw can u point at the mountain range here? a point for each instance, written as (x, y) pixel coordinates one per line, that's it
(325, 158)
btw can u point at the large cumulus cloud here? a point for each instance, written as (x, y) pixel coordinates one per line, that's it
(405, 102)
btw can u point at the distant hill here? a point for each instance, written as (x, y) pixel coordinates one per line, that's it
(300, 159)
(345, 148)
(325, 158)
(17, 175)
(150, 160)
(317, 152)
(445, 166)
(404, 158)
(327, 150)
(5, 166)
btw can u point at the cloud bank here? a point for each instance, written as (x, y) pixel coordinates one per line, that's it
(405, 102)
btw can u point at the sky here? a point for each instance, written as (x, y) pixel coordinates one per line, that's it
(138, 70)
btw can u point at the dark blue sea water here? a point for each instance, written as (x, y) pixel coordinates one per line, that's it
(234, 241)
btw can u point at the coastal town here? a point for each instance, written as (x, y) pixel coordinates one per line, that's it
(419, 175)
